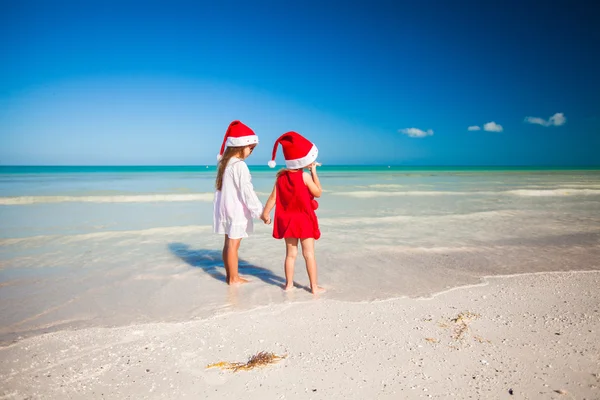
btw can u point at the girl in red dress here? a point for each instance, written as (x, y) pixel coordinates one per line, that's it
(293, 197)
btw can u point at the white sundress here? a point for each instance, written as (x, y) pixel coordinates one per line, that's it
(236, 204)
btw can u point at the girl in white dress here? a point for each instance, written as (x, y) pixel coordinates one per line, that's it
(236, 203)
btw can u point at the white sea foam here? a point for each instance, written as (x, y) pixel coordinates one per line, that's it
(386, 186)
(162, 231)
(404, 218)
(518, 192)
(365, 194)
(553, 192)
(208, 197)
(581, 185)
(136, 198)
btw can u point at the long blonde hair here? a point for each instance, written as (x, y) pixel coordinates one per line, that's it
(229, 152)
(282, 171)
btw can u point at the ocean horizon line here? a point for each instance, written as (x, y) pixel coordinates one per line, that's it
(557, 166)
(16, 170)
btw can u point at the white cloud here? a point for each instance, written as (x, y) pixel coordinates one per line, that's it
(474, 128)
(557, 119)
(415, 132)
(492, 127)
(536, 120)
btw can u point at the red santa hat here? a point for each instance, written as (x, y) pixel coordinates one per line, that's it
(237, 135)
(297, 150)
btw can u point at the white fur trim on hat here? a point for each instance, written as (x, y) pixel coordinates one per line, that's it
(304, 161)
(241, 141)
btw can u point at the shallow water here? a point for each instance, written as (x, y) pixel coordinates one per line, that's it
(81, 248)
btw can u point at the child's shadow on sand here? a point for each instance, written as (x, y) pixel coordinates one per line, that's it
(211, 261)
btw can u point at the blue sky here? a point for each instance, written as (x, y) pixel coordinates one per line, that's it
(373, 82)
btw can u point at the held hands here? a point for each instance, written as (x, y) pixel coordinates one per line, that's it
(266, 218)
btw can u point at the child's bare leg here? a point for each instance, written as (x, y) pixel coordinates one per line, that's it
(308, 251)
(230, 259)
(225, 259)
(291, 251)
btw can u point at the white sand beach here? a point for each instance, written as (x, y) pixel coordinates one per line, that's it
(530, 336)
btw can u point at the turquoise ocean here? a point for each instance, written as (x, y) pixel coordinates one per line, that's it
(110, 246)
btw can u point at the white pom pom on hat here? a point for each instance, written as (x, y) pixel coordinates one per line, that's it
(237, 135)
(297, 150)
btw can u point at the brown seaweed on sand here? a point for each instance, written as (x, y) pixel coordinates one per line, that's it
(258, 360)
(462, 321)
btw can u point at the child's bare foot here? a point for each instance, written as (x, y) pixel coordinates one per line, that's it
(238, 281)
(318, 290)
(287, 288)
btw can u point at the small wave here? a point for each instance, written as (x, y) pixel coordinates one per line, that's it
(162, 231)
(369, 194)
(553, 192)
(580, 185)
(139, 198)
(392, 219)
(518, 192)
(386, 186)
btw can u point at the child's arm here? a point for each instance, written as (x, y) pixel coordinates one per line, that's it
(248, 195)
(269, 206)
(312, 181)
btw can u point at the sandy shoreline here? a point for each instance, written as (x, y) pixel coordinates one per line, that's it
(535, 335)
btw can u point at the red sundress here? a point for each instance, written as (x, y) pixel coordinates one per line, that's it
(294, 209)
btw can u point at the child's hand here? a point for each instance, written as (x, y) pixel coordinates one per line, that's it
(266, 219)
